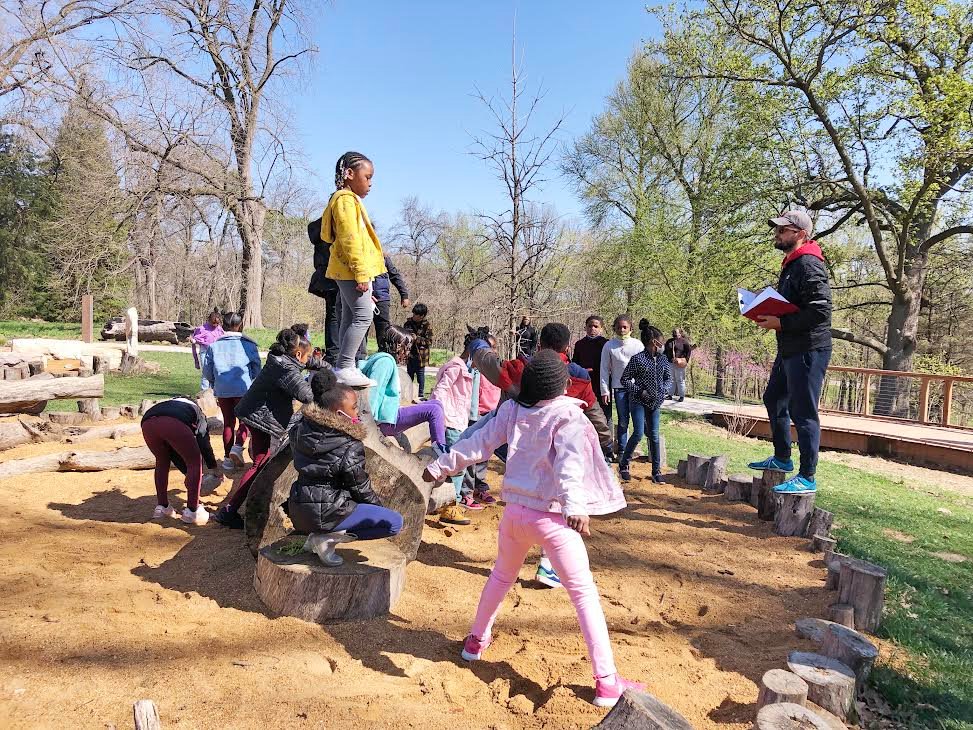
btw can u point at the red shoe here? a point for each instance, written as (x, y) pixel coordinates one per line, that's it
(470, 503)
(473, 647)
(484, 498)
(608, 690)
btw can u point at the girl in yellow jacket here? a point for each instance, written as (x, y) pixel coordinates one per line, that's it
(356, 258)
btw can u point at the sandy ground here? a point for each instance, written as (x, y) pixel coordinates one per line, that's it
(102, 607)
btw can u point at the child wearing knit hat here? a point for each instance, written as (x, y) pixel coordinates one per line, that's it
(555, 478)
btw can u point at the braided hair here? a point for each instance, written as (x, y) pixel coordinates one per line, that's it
(348, 161)
(327, 391)
(398, 343)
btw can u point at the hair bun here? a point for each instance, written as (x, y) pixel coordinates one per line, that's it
(323, 381)
(644, 324)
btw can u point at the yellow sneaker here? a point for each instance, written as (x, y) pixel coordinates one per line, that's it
(453, 515)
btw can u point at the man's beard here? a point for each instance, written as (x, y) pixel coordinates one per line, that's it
(785, 247)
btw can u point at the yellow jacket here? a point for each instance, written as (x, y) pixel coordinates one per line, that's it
(356, 253)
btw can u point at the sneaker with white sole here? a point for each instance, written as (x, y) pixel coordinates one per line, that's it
(354, 377)
(608, 690)
(547, 577)
(236, 455)
(198, 517)
(797, 484)
(161, 512)
(323, 544)
(473, 647)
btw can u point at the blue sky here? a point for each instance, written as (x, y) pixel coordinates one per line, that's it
(394, 79)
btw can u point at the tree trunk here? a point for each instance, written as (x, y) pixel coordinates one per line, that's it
(641, 711)
(250, 216)
(720, 390)
(900, 339)
(779, 685)
(15, 391)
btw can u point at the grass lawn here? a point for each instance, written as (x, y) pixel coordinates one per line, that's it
(929, 600)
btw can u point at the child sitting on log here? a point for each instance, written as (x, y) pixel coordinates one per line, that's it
(556, 477)
(384, 397)
(332, 500)
(176, 433)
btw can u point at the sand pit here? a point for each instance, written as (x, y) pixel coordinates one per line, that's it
(101, 608)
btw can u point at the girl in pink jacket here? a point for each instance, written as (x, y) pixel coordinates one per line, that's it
(556, 477)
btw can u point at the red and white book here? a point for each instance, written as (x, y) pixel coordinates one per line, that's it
(768, 303)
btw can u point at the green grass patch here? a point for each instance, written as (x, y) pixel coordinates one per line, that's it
(929, 601)
(12, 329)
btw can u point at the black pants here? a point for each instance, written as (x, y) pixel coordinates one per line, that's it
(382, 323)
(418, 373)
(332, 323)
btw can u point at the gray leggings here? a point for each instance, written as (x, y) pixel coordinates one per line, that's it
(356, 316)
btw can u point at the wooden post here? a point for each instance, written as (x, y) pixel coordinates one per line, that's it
(924, 401)
(681, 468)
(866, 394)
(779, 685)
(90, 408)
(851, 648)
(768, 501)
(738, 488)
(146, 716)
(842, 613)
(862, 585)
(793, 514)
(947, 399)
(821, 522)
(830, 684)
(87, 318)
(755, 488)
(694, 468)
(715, 475)
(821, 544)
(788, 716)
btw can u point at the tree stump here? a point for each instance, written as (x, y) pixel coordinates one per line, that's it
(738, 488)
(146, 715)
(788, 716)
(862, 585)
(715, 475)
(851, 648)
(145, 405)
(100, 364)
(366, 585)
(755, 488)
(111, 413)
(694, 468)
(834, 575)
(767, 503)
(842, 613)
(90, 408)
(793, 514)
(821, 544)
(812, 629)
(779, 685)
(65, 418)
(641, 711)
(821, 522)
(830, 683)
(681, 468)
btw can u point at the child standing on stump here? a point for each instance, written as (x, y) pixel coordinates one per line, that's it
(230, 365)
(646, 379)
(332, 500)
(419, 325)
(556, 477)
(267, 409)
(176, 433)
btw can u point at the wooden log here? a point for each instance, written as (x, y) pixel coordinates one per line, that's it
(641, 711)
(812, 629)
(366, 585)
(830, 683)
(100, 364)
(149, 330)
(90, 408)
(793, 514)
(13, 432)
(842, 613)
(821, 522)
(767, 503)
(129, 457)
(681, 467)
(128, 411)
(779, 685)
(788, 716)
(862, 585)
(414, 439)
(715, 474)
(146, 716)
(694, 468)
(206, 400)
(755, 489)
(111, 413)
(851, 648)
(834, 575)
(16, 372)
(145, 405)
(441, 496)
(39, 389)
(821, 544)
(738, 488)
(105, 432)
(66, 418)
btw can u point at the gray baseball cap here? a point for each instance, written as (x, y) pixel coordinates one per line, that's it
(796, 218)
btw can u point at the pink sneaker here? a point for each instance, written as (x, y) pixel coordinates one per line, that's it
(470, 503)
(484, 498)
(609, 689)
(473, 648)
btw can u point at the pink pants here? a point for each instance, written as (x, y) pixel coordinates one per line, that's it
(520, 529)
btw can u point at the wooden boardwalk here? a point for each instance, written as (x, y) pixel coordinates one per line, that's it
(913, 443)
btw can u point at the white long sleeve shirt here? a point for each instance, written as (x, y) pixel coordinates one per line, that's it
(614, 358)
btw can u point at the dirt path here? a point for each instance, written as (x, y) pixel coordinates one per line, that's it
(101, 607)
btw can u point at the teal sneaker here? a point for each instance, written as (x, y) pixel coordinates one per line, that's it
(547, 577)
(797, 485)
(772, 464)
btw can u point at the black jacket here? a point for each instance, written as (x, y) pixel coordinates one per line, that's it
(187, 412)
(331, 477)
(320, 284)
(804, 282)
(380, 285)
(269, 404)
(527, 340)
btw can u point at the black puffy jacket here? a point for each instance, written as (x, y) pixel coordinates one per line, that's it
(804, 282)
(320, 285)
(331, 477)
(269, 404)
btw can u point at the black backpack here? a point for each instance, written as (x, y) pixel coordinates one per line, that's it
(320, 284)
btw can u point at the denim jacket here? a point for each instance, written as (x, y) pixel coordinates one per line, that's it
(230, 364)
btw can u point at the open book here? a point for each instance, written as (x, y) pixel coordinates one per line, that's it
(768, 303)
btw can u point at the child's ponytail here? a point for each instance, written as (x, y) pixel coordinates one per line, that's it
(287, 343)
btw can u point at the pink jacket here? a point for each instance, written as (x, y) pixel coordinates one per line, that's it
(554, 462)
(454, 389)
(489, 396)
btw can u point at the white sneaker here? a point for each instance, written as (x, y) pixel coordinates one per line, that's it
(199, 517)
(236, 455)
(161, 512)
(354, 377)
(323, 544)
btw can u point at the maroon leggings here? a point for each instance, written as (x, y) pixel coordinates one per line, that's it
(229, 424)
(163, 435)
(260, 446)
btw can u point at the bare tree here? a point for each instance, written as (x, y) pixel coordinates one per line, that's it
(416, 236)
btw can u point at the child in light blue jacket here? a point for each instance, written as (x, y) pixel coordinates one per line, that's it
(230, 365)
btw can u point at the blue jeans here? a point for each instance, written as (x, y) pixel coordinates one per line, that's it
(621, 427)
(452, 436)
(638, 413)
(792, 394)
(371, 522)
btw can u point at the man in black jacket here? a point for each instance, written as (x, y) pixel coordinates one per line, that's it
(803, 352)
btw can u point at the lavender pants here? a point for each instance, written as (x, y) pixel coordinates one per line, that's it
(520, 529)
(430, 412)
